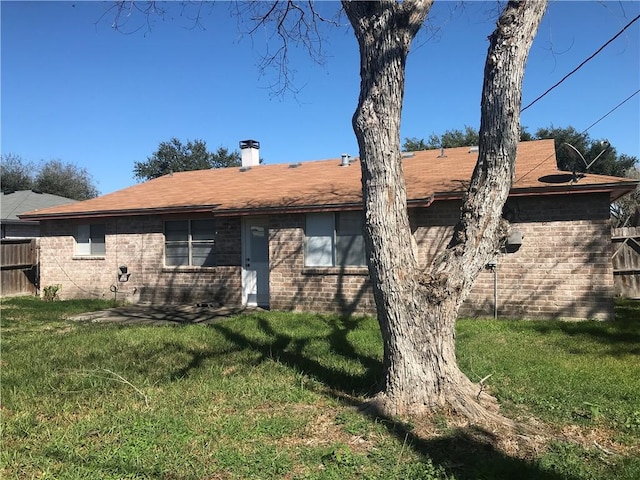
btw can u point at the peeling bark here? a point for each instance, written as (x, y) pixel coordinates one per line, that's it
(417, 309)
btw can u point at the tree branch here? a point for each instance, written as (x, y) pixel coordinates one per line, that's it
(291, 23)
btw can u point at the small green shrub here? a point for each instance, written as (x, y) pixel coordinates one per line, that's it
(339, 454)
(51, 293)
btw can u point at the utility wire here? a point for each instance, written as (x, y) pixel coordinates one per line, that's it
(586, 130)
(611, 111)
(582, 64)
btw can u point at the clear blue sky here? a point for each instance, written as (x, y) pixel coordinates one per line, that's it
(76, 90)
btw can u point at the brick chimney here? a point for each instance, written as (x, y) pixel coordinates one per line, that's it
(250, 150)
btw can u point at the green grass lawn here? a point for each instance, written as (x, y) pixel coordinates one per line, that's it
(275, 395)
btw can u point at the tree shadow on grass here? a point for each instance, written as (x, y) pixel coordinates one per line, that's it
(468, 453)
(291, 352)
(621, 336)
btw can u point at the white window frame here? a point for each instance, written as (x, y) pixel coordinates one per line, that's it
(192, 245)
(90, 240)
(323, 240)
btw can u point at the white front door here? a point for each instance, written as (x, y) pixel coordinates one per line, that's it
(255, 257)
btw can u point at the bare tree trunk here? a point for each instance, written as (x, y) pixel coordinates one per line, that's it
(417, 309)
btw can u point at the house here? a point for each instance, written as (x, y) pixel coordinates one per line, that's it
(13, 203)
(289, 236)
(19, 239)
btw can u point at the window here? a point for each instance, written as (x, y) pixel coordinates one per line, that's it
(90, 240)
(334, 239)
(190, 243)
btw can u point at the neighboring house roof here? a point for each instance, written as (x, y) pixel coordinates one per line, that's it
(326, 184)
(12, 204)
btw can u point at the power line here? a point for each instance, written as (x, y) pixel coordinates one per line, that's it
(582, 64)
(586, 129)
(611, 111)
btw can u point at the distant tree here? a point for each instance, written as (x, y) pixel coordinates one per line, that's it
(449, 139)
(625, 212)
(525, 136)
(457, 138)
(452, 139)
(15, 173)
(574, 148)
(65, 179)
(571, 158)
(414, 144)
(53, 176)
(173, 156)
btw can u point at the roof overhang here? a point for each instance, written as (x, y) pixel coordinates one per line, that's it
(615, 191)
(13, 221)
(120, 213)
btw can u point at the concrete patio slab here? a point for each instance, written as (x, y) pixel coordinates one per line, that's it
(161, 314)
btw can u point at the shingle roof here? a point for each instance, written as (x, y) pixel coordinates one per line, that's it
(325, 184)
(13, 204)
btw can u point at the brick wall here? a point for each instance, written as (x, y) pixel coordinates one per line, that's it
(138, 243)
(564, 267)
(296, 287)
(562, 270)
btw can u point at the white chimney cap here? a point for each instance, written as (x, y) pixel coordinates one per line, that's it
(250, 150)
(249, 144)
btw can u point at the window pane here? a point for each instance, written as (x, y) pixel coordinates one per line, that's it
(83, 235)
(319, 244)
(350, 251)
(203, 229)
(319, 252)
(319, 224)
(203, 255)
(177, 254)
(190, 242)
(176, 230)
(349, 223)
(97, 240)
(349, 241)
(259, 244)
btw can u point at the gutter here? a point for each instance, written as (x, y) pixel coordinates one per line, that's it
(615, 190)
(117, 213)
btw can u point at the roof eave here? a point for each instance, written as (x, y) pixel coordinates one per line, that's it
(118, 213)
(615, 191)
(16, 221)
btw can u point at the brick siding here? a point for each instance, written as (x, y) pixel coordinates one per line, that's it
(138, 243)
(564, 267)
(562, 270)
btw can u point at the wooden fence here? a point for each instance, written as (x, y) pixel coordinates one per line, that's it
(18, 266)
(626, 261)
